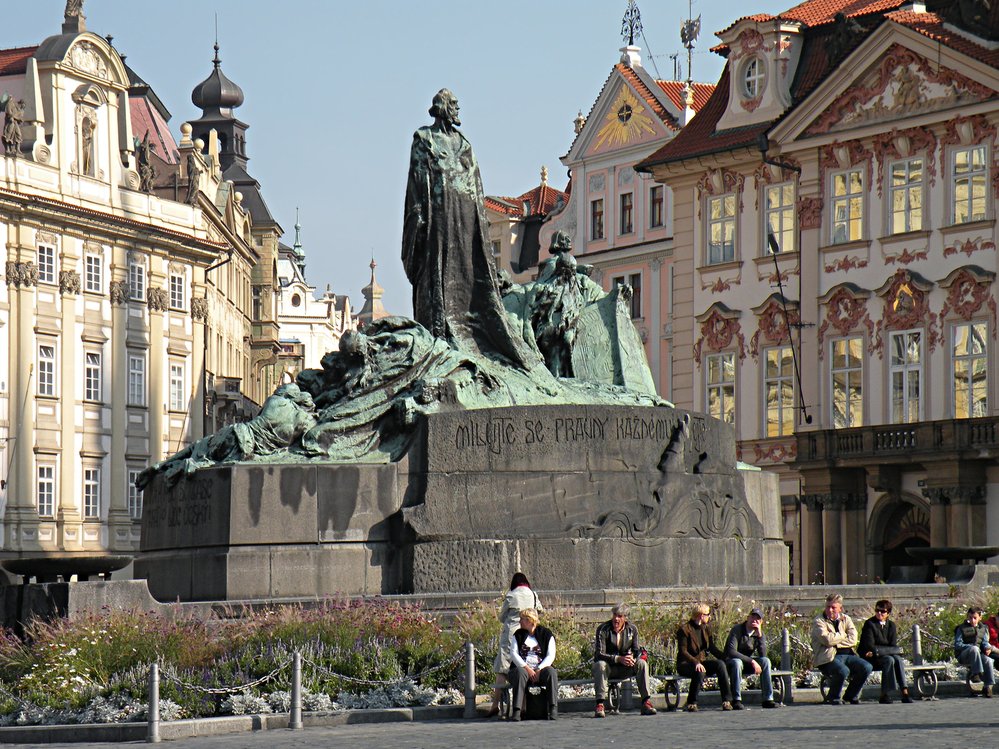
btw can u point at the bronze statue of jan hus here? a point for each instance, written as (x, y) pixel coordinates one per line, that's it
(444, 245)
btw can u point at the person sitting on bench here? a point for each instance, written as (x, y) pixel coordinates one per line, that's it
(532, 652)
(618, 654)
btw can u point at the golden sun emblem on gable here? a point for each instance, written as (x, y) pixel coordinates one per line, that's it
(627, 120)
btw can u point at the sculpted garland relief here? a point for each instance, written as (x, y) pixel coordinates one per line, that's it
(86, 58)
(718, 332)
(846, 310)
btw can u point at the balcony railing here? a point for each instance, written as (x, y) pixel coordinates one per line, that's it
(900, 440)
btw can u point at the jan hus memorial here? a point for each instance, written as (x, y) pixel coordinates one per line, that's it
(506, 427)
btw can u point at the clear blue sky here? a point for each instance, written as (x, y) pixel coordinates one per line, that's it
(335, 88)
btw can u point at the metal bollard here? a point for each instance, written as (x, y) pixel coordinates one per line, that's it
(785, 664)
(628, 695)
(295, 719)
(469, 680)
(153, 713)
(917, 646)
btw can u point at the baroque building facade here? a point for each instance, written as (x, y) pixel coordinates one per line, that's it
(835, 256)
(127, 259)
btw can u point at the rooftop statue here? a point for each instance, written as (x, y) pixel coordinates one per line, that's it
(558, 340)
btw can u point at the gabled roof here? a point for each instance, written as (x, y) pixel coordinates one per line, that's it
(15, 61)
(540, 201)
(700, 137)
(674, 90)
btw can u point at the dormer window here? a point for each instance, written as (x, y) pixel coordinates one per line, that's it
(753, 78)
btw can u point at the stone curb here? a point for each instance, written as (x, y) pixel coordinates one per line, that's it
(183, 729)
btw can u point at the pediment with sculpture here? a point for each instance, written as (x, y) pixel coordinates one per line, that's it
(902, 85)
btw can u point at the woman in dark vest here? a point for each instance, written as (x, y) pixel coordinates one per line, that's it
(532, 652)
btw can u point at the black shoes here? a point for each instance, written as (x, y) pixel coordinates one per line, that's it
(516, 715)
(770, 704)
(737, 705)
(885, 700)
(553, 712)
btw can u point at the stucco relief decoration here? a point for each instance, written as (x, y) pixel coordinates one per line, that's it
(906, 305)
(810, 213)
(772, 326)
(119, 292)
(775, 453)
(846, 263)
(779, 277)
(156, 299)
(717, 333)
(766, 174)
(845, 312)
(21, 274)
(902, 144)
(838, 155)
(69, 282)
(966, 294)
(199, 309)
(969, 246)
(904, 84)
(627, 120)
(967, 131)
(750, 42)
(86, 58)
(721, 284)
(719, 182)
(905, 257)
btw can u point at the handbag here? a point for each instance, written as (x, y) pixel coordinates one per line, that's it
(881, 650)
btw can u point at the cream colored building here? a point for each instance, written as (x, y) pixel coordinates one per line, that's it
(835, 208)
(116, 302)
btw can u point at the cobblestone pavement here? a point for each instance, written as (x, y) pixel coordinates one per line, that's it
(924, 725)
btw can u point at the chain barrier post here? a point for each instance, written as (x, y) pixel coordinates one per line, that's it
(917, 646)
(153, 713)
(785, 650)
(295, 720)
(469, 680)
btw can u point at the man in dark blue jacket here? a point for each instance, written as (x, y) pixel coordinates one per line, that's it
(746, 651)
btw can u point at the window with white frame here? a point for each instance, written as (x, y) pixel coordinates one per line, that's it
(45, 491)
(134, 495)
(46, 263)
(657, 206)
(46, 370)
(178, 292)
(753, 76)
(970, 364)
(136, 379)
(969, 174)
(906, 372)
(92, 372)
(848, 382)
(906, 187)
(779, 200)
(93, 274)
(847, 206)
(178, 401)
(91, 493)
(778, 391)
(721, 386)
(721, 229)
(136, 281)
(627, 213)
(635, 281)
(597, 219)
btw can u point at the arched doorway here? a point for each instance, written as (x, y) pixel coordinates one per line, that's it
(898, 522)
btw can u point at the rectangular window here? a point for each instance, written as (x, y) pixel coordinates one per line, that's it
(781, 229)
(46, 491)
(778, 387)
(46, 264)
(597, 219)
(136, 281)
(178, 292)
(847, 206)
(136, 379)
(627, 213)
(906, 372)
(721, 386)
(91, 493)
(134, 496)
(635, 281)
(92, 377)
(258, 304)
(495, 244)
(971, 377)
(970, 172)
(92, 274)
(46, 370)
(721, 229)
(178, 400)
(906, 196)
(657, 206)
(848, 383)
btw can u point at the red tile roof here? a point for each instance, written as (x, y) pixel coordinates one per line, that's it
(506, 206)
(674, 90)
(145, 118)
(540, 202)
(15, 61)
(650, 98)
(932, 26)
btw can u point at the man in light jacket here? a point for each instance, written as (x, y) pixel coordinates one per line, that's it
(834, 638)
